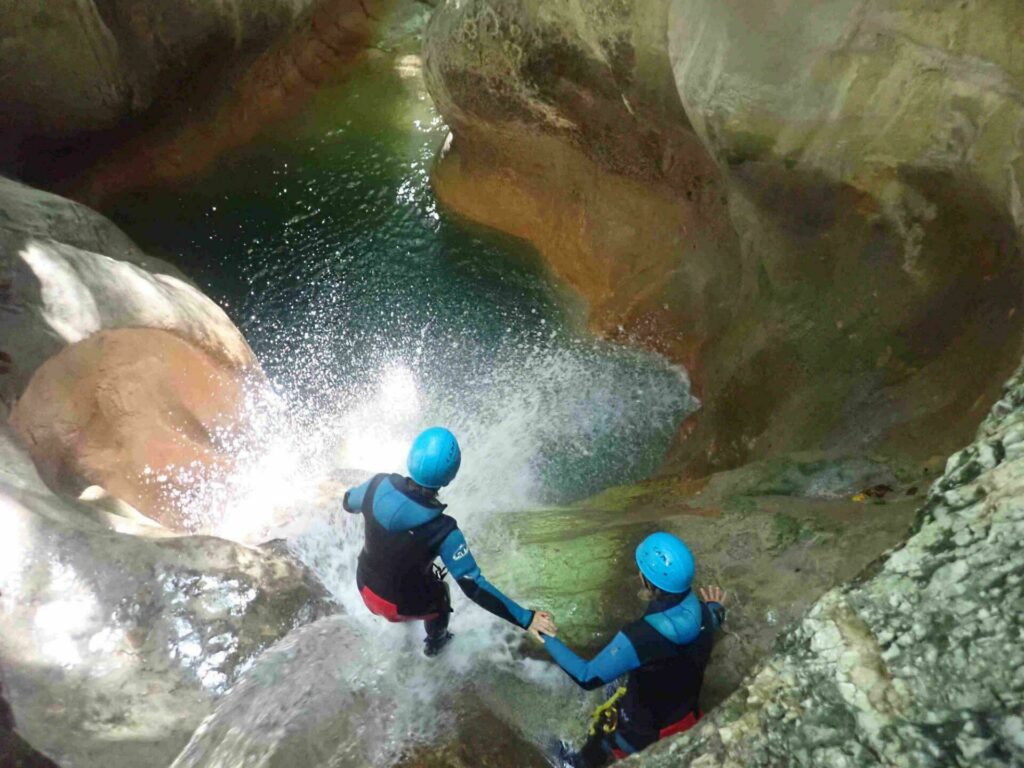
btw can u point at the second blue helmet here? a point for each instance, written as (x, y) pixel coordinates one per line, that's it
(434, 458)
(666, 562)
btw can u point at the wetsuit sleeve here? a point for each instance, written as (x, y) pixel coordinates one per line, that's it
(463, 568)
(352, 501)
(717, 611)
(616, 659)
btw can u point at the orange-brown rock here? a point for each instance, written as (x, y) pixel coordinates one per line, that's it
(137, 411)
(623, 243)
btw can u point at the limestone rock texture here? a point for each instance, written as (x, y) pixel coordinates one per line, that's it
(814, 207)
(114, 643)
(110, 361)
(916, 663)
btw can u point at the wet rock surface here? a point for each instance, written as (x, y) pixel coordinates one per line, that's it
(827, 234)
(916, 663)
(139, 412)
(111, 363)
(351, 693)
(114, 646)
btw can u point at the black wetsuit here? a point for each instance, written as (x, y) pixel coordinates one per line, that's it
(406, 531)
(664, 654)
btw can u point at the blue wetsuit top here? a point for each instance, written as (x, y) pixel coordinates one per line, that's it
(664, 653)
(413, 532)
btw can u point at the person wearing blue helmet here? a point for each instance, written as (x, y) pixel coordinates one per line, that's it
(406, 530)
(664, 654)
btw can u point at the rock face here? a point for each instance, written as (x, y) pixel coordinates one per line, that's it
(139, 91)
(137, 411)
(70, 285)
(114, 646)
(918, 663)
(824, 225)
(873, 150)
(85, 65)
(568, 132)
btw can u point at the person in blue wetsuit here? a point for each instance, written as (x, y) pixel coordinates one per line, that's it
(406, 530)
(664, 654)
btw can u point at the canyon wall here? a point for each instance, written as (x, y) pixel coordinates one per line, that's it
(917, 662)
(816, 210)
(102, 97)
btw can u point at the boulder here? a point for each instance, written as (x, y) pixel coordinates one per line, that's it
(918, 662)
(66, 272)
(137, 411)
(113, 647)
(141, 371)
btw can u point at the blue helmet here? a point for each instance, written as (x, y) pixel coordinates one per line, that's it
(666, 562)
(434, 458)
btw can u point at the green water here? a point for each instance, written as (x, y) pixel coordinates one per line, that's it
(324, 243)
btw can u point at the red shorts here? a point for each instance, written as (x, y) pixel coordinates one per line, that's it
(679, 726)
(381, 607)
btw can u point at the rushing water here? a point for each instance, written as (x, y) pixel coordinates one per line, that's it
(375, 314)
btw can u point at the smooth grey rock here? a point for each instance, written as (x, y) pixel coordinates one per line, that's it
(113, 647)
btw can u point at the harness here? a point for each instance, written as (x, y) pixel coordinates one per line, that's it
(667, 682)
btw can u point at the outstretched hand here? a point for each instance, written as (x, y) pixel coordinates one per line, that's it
(713, 595)
(542, 624)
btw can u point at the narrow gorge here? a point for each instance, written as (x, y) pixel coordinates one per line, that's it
(747, 272)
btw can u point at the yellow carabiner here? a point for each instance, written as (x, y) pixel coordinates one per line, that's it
(606, 716)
